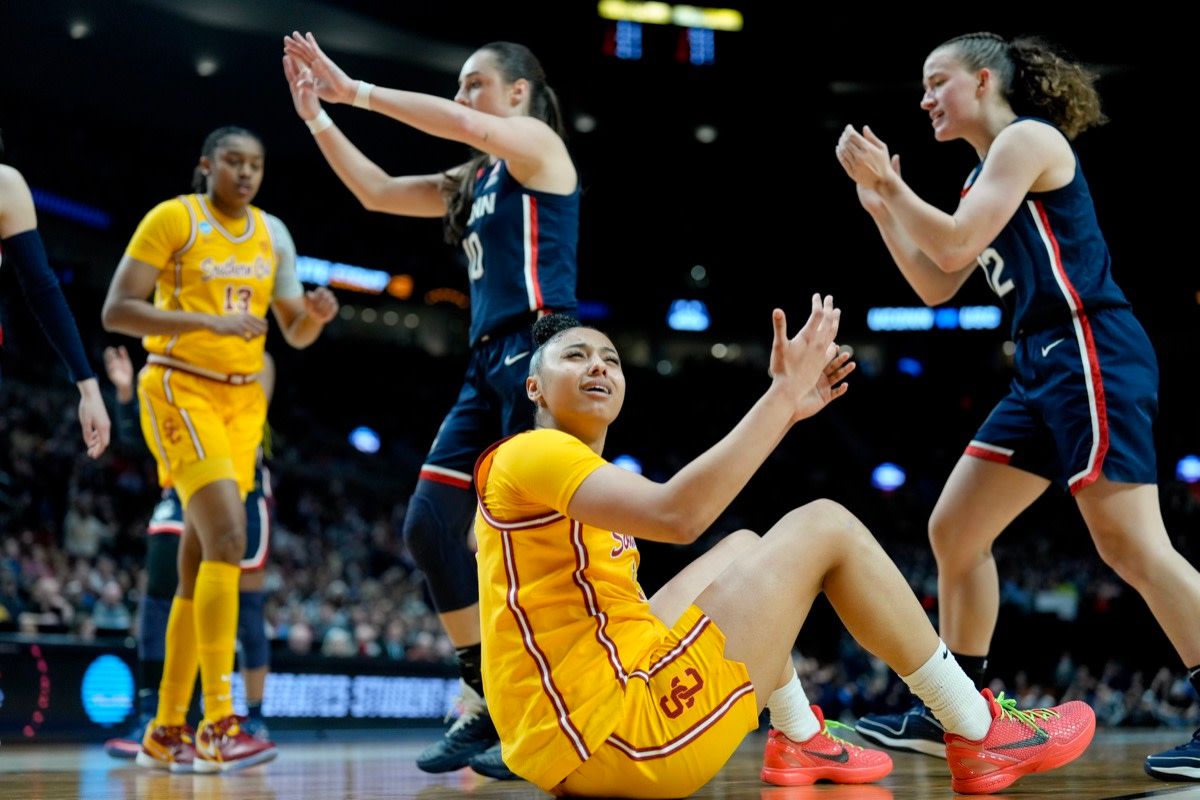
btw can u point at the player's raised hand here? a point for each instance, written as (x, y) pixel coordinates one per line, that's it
(330, 82)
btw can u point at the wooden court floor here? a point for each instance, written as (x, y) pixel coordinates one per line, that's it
(371, 769)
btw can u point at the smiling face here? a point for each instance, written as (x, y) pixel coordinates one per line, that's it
(234, 171)
(578, 384)
(953, 94)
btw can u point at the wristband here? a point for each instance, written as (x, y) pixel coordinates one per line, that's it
(362, 97)
(319, 123)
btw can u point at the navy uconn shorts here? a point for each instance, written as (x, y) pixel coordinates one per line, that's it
(1082, 404)
(491, 406)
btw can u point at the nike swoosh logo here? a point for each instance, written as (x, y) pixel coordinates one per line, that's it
(1041, 737)
(840, 758)
(1051, 346)
(510, 360)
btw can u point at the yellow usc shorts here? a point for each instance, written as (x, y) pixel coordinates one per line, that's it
(200, 430)
(680, 726)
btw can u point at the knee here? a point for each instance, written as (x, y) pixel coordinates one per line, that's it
(948, 544)
(737, 543)
(228, 544)
(1132, 558)
(831, 522)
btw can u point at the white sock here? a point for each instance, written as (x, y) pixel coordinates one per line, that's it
(791, 714)
(941, 683)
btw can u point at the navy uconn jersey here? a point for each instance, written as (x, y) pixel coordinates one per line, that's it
(520, 247)
(1084, 392)
(1050, 263)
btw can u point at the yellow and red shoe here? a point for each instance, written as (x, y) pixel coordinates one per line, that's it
(1018, 743)
(225, 746)
(822, 756)
(170, 748)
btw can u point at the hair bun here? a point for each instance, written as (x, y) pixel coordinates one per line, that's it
(549, 326)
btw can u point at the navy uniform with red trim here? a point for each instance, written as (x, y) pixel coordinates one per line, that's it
(520, 247)
(591, 693)
(1085, 393)
(520, 250)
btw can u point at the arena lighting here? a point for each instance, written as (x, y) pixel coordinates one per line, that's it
(65, 207)
(628, 43)
(623, 10)
(910, 366)
(1188, 469)
(701, 47)
(716, 19)
(400, 286)
(888, 477)
(447, 295)
(921, 318)
(688, 315)
(628, 462)
(341, 276)
(364, 440)
(591, 310)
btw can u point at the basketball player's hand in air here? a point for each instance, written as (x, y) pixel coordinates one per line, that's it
(321, 304)
(865, 157)
(331, 84)
(872, 200)
(302, 85)
(245, 325)
(808, 367)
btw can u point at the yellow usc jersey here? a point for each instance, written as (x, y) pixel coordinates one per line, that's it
(565, 624)
(211, 264)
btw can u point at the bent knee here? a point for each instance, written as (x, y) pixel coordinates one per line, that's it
(227, 545)
(738, 542)
(946, 537)
(1132, 558)
(830, 518)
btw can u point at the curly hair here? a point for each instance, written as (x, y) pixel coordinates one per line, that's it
(1035, 78)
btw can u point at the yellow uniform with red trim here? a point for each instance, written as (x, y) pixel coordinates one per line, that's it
(590, 692)
(201, 410)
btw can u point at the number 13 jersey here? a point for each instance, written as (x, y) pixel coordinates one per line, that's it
(213, 264)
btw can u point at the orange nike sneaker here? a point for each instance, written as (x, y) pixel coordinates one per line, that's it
(822, 756)
(1018, 743)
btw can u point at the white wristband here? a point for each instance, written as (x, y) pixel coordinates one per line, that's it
(319, 123)
(362, 97)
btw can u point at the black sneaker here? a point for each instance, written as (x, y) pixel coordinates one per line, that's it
(470, 735)
(916, 730)
(1178, 764)
(491, 764)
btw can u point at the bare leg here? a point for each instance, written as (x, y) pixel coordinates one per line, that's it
(188, 562)
(819, 547)
(462, 625)
(1127, 526)
(678, 594)
(979, 501)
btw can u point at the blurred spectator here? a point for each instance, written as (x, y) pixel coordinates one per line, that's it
(109, 613)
